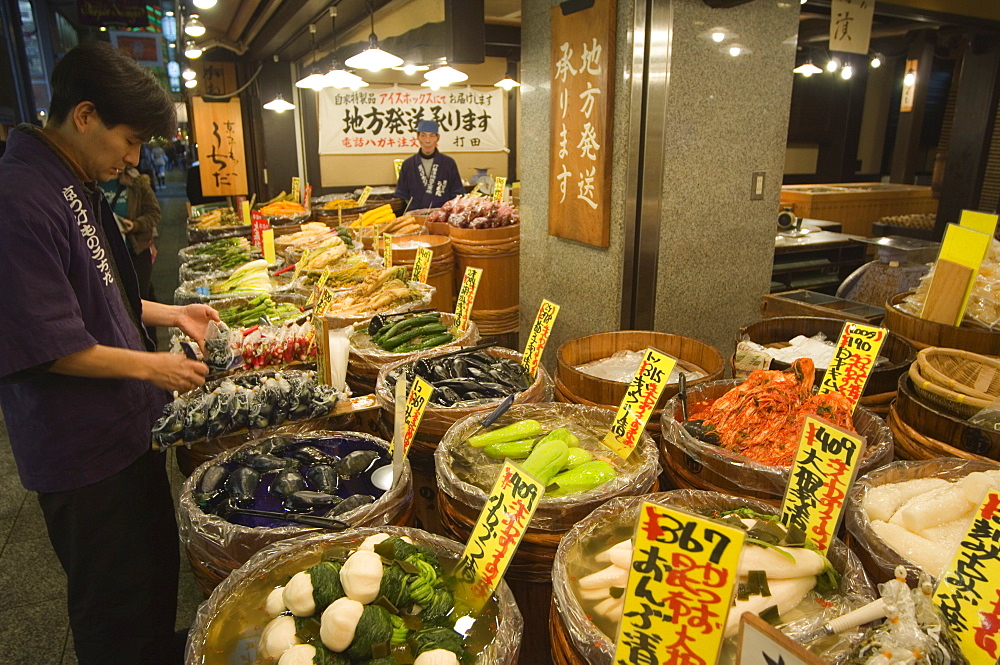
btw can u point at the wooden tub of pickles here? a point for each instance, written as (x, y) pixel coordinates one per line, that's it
(371, 596)
(588, 569)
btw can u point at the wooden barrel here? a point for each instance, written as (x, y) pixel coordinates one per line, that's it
(497, 251)
(881, 387)
(877, 557)
(697, 465)
(442, 271)
(923, 333)
(927, 431)
(216, 547)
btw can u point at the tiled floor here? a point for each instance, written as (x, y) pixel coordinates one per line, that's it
(34, 627)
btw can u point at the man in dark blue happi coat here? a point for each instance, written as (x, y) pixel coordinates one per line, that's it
(429, 177)
(80, 385)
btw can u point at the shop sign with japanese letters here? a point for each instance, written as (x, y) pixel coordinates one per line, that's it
(582, 84)
(219, 129)
(383, 119)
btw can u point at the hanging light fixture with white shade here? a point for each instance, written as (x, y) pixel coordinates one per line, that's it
(314, 80)
(193, 27)
(191, 83)
(338, 77)
(507, 84)
(434, 85)
(373, 58)
(445, 75)
(279, 105)
(192, 50)
(188, 74)
(204, 4)
(410, 69)
(807, 69)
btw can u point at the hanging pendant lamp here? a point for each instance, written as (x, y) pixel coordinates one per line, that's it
(373, 58)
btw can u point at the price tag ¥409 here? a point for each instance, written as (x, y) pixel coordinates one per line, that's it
(680, 585)
(639, 401)
(498, 531)
(422, 264)
(853, 361)
(824, 468)
(539, 336)
(467, 296)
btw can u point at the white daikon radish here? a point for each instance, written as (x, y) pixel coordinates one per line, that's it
(338, 623)
(611, 608)
(881, 502)
(785, 594)
(622, 557)
(606, 577)
(605, 556)
(275, 604)
(976, 485)
(946, 504)
(278, 636)
(932, 557)
(300, 654)
(594, 595)
(950, 533)
(777, 565)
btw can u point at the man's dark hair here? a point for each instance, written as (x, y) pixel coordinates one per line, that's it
(123, 91)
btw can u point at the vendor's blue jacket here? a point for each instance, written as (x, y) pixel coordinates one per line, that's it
(431, 191)
(67, 284)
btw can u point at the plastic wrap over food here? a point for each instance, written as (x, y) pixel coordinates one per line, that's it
(470, 481)
(227, 627)
(195, 270)
(287, 219)
(440, 418)
(217, 546)
(615, 521)
(623, 365)
(338, 318)
(371, 356)
(200, 290)
(744, 475)
(879, 556)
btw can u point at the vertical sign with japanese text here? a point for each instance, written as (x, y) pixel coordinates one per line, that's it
(416, 402)
(680, 586)
(467, 296)
(824, 468)
(582, 94)
(422, 264)
(968, 593)
(387, 249)
(853, 361)
(257, 226)
(539, 336)
(498, 187)
(219, 129)
(851, 25)
(498, 531)
(639, 401)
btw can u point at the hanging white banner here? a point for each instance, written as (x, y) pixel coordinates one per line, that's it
(851, 25)
(383, 119)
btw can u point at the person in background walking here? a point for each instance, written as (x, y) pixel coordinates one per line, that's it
(160, 166)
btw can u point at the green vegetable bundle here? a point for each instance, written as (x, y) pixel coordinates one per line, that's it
(413, 333)
(249, 313)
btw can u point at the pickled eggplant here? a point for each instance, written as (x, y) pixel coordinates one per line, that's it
(357, 462)
(288, 482)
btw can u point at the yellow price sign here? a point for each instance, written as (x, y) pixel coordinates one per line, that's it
(397, 164)
(365, 193)
(387, 249)
(967, 593)
(267, 237)
(318, 288)
(422, 264)
(467, 296)
(303, 260)
(639, 401)
(680, 586)
(245, 211)
(852, 362)
(498, 187)
(539, 336)
(824, 468)
(983, 222)
(296, 188)
(498, 531)
(416, 403)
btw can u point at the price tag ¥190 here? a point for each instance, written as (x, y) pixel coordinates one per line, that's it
(680, 585)
(824, 468)
(467, 296)
(539, 336)
(498, 531)
(639, 401)
(422, 264)
(968, 593)
(853, 360)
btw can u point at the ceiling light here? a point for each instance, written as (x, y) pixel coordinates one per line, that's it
(191, 83)
(194, 27)
(373, 58)
(411, 69)
(446, 75)
(314, 80)
(434, 85)
(279, 104)
(909, 79)
(103, 29)
(204, 4)
(192, 50)
(735, 51)
(833, 65)
(847, 72)
(360, 83)
(507, 83)
(172, 45)
(188, 74)
(808, 69)
(168, 13)
(341, 78)
(876, 61)
(718, 36)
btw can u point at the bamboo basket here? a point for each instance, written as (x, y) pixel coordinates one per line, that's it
(967, 382)
(948, 435)
(923, 333)
(730, 473)
(883, 378)
(954, 403)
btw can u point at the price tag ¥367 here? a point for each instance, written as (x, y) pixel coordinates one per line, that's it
(422, 264)
(467, 296)
(498, 532)
(680, 586)
(639, 401)
(539, 336)
(853, 361)
(968, 593)
(824, 468)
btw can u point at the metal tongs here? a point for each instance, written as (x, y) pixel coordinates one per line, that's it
(682, 394)
(227, 509)
(378, 321)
